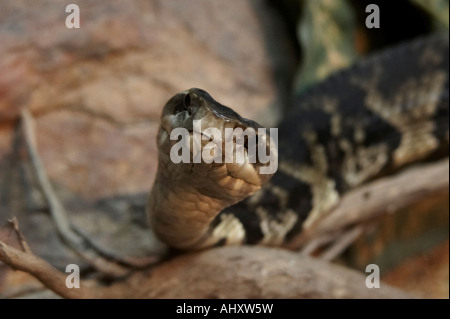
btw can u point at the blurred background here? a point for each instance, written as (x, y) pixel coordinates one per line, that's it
(96, 93)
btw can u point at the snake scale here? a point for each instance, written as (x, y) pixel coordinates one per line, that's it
(384, 112)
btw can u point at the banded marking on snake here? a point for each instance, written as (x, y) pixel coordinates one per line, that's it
(385, 112)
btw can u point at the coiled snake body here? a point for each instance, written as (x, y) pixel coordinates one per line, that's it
(389, 110)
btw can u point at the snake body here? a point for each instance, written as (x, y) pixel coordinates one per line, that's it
(386, 111)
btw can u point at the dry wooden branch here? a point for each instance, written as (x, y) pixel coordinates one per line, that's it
(25, 260)
(59, 214)
(226, 272)
(14, 223)
(342, 243)
(43, 271)
(257, 272)
(378, 198)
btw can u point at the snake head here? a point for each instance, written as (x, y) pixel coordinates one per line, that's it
(206, 146)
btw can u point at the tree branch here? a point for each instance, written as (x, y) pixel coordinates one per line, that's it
(26, 261)
(376, 199)
(226, 272)
(256, 272)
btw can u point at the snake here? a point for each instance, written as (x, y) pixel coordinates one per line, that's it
(386, 111)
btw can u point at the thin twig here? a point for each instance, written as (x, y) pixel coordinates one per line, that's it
(57, 210)
(315, 243)
(52, 278)
(134, 262)
(59, 214)
(45, 273)
(14, 223)
(342, 243)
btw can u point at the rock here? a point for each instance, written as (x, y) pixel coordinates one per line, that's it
(97, 91)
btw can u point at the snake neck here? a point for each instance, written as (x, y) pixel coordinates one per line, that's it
(180, 214)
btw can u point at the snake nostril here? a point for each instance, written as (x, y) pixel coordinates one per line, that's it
(246, 142)
(187, 102)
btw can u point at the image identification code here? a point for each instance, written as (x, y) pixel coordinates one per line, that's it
(225, 308)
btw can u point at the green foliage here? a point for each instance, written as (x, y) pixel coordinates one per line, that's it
(326, 34)
(437, 9)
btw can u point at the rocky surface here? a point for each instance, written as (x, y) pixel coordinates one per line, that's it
(97, 91)
(96, 94)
